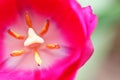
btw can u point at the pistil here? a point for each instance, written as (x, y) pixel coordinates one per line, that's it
(33, 40)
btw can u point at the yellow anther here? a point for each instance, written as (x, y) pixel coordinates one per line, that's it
(45, 27)
(37, 58)
(52, 46)
(15, 35)
(17, 53)
(28, 20)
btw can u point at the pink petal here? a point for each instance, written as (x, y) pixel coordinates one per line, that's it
(88, 51)
(8, 12)
(71, 21)
(90, 19)
(87, 18)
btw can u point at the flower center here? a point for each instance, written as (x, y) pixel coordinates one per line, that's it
(33, 40)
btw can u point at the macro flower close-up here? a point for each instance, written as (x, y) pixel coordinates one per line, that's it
(44, 39)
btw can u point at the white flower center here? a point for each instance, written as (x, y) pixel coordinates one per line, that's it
(33, 40)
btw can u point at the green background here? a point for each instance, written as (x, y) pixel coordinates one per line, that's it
(108, 12)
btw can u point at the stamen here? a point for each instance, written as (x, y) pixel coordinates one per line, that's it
(28, 20)
(37, 58)
(45, 27)
(52, 46)
(17, 53)
(15, 35)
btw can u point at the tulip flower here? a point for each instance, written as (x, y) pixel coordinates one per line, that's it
(44, 39)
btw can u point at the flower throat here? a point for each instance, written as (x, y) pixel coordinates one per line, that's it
(33, 41)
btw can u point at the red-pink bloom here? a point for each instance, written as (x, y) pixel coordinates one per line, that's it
(60, 49)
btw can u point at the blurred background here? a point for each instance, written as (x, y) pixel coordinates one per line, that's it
(105, 62)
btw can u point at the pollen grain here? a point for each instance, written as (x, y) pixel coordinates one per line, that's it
(17, 53)
(28, 19)
(37, 58)
(15, 35)
(45, 27)
(52, 46)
